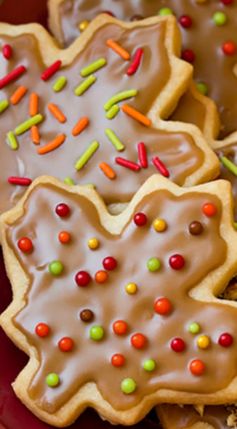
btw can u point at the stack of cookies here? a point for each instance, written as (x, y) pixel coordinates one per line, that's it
(121, 131)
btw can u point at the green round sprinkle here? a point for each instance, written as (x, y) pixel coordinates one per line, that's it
(153, 264)
(96, 333)
(56, 268)
(149, 365)
(164, 11)
(194, 328)
(128, 386)
(219, 18)
(202, 88)
(52, 379)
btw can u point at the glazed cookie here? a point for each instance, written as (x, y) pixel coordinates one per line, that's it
(157, 331)
(91, 113)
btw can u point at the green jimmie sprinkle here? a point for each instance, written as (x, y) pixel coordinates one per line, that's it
(25, 126)
(93, 67)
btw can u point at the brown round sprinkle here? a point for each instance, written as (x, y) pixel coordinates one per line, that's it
(86, 315)
(195, 228)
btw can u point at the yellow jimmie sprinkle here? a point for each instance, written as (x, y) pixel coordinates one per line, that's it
(60, 84)
(12, 141)
(124, 95)
(85, 85)
(3, 105)
(113, 112)
(93, 67)
(86, 156)
(119, 146)
(25, 126)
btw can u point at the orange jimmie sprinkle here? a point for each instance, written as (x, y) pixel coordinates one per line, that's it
(118, 49)
(57, 113)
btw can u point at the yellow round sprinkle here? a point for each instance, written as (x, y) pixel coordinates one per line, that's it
(159, 225)
(131, 288)
(203, 342)
(93, 243)
(83, 25)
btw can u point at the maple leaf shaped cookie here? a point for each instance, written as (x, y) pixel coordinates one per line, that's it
(118, 312)
(96, 118)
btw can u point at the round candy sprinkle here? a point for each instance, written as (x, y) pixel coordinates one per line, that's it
(56, 268)
(203, 342)
(101, 276)
(159, 225)
(62, 210)
(227, 2)
(109, 263)
(225, 340)
(219, 18)
(93, 243)
(149, 365)
(195, 228)
(188, 55)
(178, 345)
(83, 25)
(86, 315)
(96, 333)
(128, 386)
(131, 288)
(186, 21)
(202, 88)
(163, 306)
(197, 367)
(118, 360)
(82, 278)
(52, 379)
(209, 209)
(164, 11)
(140, 219)
(177, 262)
(120, 327)
(229, 48)
(138, 341)
(153, 264)
(25, 245)
(66, 344)
(7, 51)
(64, 237)
(194, 328)
(42, 330)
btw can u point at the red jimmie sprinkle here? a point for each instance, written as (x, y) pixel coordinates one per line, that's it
(160, 166)
(136, 62)
(127, 164)
(51, 70)
(13, 75)
(21, 181)
(142, 155)
(7, 51)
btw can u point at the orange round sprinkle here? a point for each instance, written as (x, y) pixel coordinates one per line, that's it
(34, 104)
(64, 237)
(197, 367)
(66, 344)
(107, 170)
(163, 306)
(209, 209)
(25, 245)
(42, 330)
(18, 95)
(120, 327)
(118, 360)
(138, 341)
(101, 276)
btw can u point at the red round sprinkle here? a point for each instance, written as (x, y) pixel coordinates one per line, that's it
(178, 345)
(82, 278)
(25, 244)
(140, 219)
(7, 51)
(66, 344)
(64, 237)
(42, 330)
(62, 210)
(209, 209)
(186, 21)
(120, 327)
(138, 341)
(162, 306)
(227, 2)
(188, 55)
(177, 262)
(225, 340)
(118, 360)
(109, 263)
(197, 367)
(229, 48)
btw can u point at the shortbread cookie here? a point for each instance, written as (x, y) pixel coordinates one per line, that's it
(159, 336)
(94, 119)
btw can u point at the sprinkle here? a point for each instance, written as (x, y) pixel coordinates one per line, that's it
(20, 181)
(131, 288)
(97, 333)
(135, 114)
(57, 113)
(12, 141)
(52, 380)
(93, 67)
(59, 84)
(140, 219)
(54, 144)
(35, 134)
(50, 71)
(235, 225)
(93, 243)
(42, 330)
(86, 156)
(127, 164)
(159, 225)
(118, 49)
(128, 386)
(113, 112)
(153, 264)
(13, 75)
(110, 263)
(119, 146)
(18, 95)
(203, 342)
(149, 365)
(138, 341)
(62, 210)
(86, 84)
(56, 268)
(69, 181)
(80, 126)
(229, 165)
(107, 170)
(34, 104)
(83, 25)
(124, 95)
(25, 126)
(4, 104)
(160, 166)
(136, 62)
(209, 209)
(82, 278)
(142, 155)
(7, 51)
